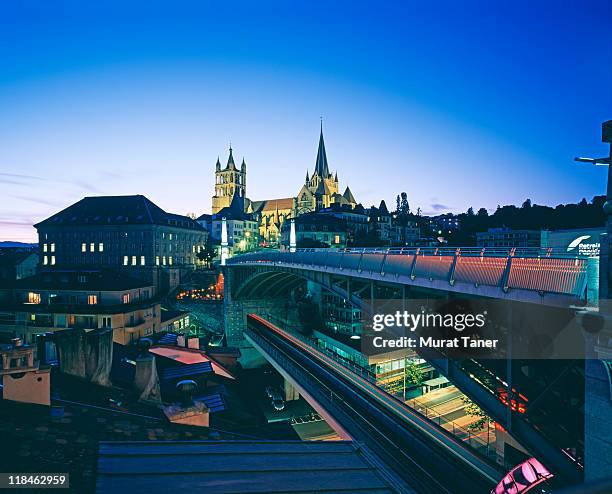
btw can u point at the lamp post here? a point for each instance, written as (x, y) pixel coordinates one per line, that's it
(605, 274)
(292, 237)
(224, 242)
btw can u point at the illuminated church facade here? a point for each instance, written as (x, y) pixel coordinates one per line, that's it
(319, 191)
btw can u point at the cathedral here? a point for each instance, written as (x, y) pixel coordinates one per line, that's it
(319, 191)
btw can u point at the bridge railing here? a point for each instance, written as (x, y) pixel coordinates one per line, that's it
(532, 269)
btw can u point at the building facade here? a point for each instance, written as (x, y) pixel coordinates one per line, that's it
(87, 300)
(319, 191)
(128, 234)
(229, 182)
(506, 237)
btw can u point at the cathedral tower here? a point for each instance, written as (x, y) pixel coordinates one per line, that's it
(229, 181)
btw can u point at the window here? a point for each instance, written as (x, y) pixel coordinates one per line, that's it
(33, 298)
(157, 260)
(92, 299)
(106, 321)
(92, 247)
(126, 298)
(45, 260)
(83, 247)
(100, 247)
(170, 260)
(44, 247)
(337, 239)
(142, 260)
(52, 260)
(133, 260)
(164, 260)
(125, 260)
(53, 247)
(169, 236)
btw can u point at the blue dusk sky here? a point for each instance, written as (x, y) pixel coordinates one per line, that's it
(459, 104)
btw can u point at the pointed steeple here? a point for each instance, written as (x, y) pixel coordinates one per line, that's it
(321, 167)
(230, 161)
(348, 195)
(307, 177)
(243, 166)
(218, 165)
(336, 177)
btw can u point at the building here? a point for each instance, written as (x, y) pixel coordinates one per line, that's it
(319, 191)
(506, 237)
(129, 234)
(16, 264)
(58, 300)
(229, 182)
(380, 225)
(447, 222)
(405, 233)
(242, 227)
(582, 241)
(322, 188)
(23, 379)
(317, 230)
(271, 216)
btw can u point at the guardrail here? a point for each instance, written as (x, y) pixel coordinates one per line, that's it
(539, 270)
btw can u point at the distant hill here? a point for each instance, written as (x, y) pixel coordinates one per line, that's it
(10, 244)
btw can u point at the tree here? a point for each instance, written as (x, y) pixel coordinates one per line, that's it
(473, 410)
(404, 207)
(414, 373)
(206, 254)
(526, 204)
(482, 212)
(470, 211)
(398, 205)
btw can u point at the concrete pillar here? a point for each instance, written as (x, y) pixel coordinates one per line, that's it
(291, 393)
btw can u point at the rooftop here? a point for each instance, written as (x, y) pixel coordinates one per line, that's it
(238, 467)
(117, 210)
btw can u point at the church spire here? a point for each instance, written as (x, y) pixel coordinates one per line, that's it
(307, 177)
(321, 167)
(230, 161)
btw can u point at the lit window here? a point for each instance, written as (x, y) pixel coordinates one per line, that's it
(164, 260)
(92, 247)
(170, 260)
(337, 239)
(126, 298)
(142, 260)
(100, 247)
(83, 247)
(92, 299)
(193, 249)
(53, 247)
(52, 260)
(157, 260)
(125, 260)
(169, 236)
(44, 247)
(133, 260)
(33, 298)
(45, 260)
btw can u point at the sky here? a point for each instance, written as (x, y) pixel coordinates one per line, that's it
(477, 104)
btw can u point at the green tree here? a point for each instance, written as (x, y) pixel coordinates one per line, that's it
(207, 254)
(473, 410)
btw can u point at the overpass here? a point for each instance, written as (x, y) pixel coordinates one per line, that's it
(542, 276)
(526, 407)
(424, 455)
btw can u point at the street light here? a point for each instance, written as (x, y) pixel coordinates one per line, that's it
(605, 281)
